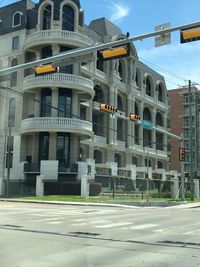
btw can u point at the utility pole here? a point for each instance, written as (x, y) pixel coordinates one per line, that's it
(182, 173)
(191, 141)
(8, 157)
(147, 177)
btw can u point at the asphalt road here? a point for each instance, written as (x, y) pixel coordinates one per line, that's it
(39, 235)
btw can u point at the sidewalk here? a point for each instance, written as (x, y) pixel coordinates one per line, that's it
(117, 204)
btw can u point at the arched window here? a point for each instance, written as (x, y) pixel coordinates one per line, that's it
(47, 17)
(147, 114)
(159, 141)
(68, 18)
(119, 103)
(160, 93)
(98, 156)
(147, 162)
(138, 79)
(149, 89)
(134, 161)
(17, 19)
(159, 119)
(99, 96)
(118, 159)
(159, 164)
(13, 80)
(45, 110)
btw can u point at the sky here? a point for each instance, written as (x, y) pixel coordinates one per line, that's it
(176, 62)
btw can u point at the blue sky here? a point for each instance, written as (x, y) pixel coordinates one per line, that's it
(138, 17)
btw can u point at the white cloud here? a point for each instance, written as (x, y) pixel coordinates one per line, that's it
(119, 11)
(175, 60)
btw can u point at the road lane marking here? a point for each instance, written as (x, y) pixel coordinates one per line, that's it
(143, 226)
(113, 225)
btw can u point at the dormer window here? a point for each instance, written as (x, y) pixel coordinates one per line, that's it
(17, 19)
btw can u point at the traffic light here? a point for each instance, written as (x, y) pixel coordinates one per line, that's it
(107, 108)
(190, 35)
(115, 52)
(182, 154)
(45, 69)
(134, 117)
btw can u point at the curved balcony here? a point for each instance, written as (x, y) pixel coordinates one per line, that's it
(82, 84)
(41, 38)
(56, 124)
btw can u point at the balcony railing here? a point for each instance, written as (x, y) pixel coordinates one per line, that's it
(59, 80)
(56, 124)
(56, 37)
(68, 168)
(101, 140)
(31, 167)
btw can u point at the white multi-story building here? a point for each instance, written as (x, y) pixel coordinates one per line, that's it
(55, 126)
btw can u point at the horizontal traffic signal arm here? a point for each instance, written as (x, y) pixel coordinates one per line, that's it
(45, 69)
(107, 108)
(115, 52)
(190, 35)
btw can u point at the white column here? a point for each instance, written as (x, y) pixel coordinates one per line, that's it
(39, 186)
(37, 105)
(54, 102)
(196, 188)
(75, 105)
(2, 187)
(154, 131)
(130, 124)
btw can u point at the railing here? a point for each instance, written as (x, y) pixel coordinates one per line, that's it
(100, 140)
(124, 173)
(55, 124)
(31, 167)
(57, 36)
(68, 168)
(63, 79)
(121, 144)
(103, 171)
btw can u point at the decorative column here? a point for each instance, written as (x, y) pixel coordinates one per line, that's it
(154, 131)
(141, 134)
(54, 102)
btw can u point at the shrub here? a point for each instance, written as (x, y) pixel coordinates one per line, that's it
(95, 189)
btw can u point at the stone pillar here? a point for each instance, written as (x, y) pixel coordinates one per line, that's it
(55, 49)
(91, 164)
(40, 185)
(37, 105)
(54, 103)
(154, 131)
(2, 187)
(49, 168)
(196, 188)
(164, 135)
(141, 134)
(82, 169)
(130, 124)
(75, 104)
(175, 184)
(84, 186)
(111, 120)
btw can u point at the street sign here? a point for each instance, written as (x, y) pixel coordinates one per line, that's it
(147, 125)
(164, 38)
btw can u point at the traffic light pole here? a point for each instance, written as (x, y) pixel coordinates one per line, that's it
(88, 52)
(182, 173)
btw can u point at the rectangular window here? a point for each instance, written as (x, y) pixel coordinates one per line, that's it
(186, 122)
(15, 43)
(43, 146)
(63, 141)
(64, 103)
(186, 98)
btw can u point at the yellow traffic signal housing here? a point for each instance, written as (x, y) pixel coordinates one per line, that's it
(182, 154)
(115, 52)
(134, 117)
(107, 108)
(45, 69)
(190, 35)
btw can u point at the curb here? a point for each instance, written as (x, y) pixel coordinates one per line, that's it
(131, 205)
